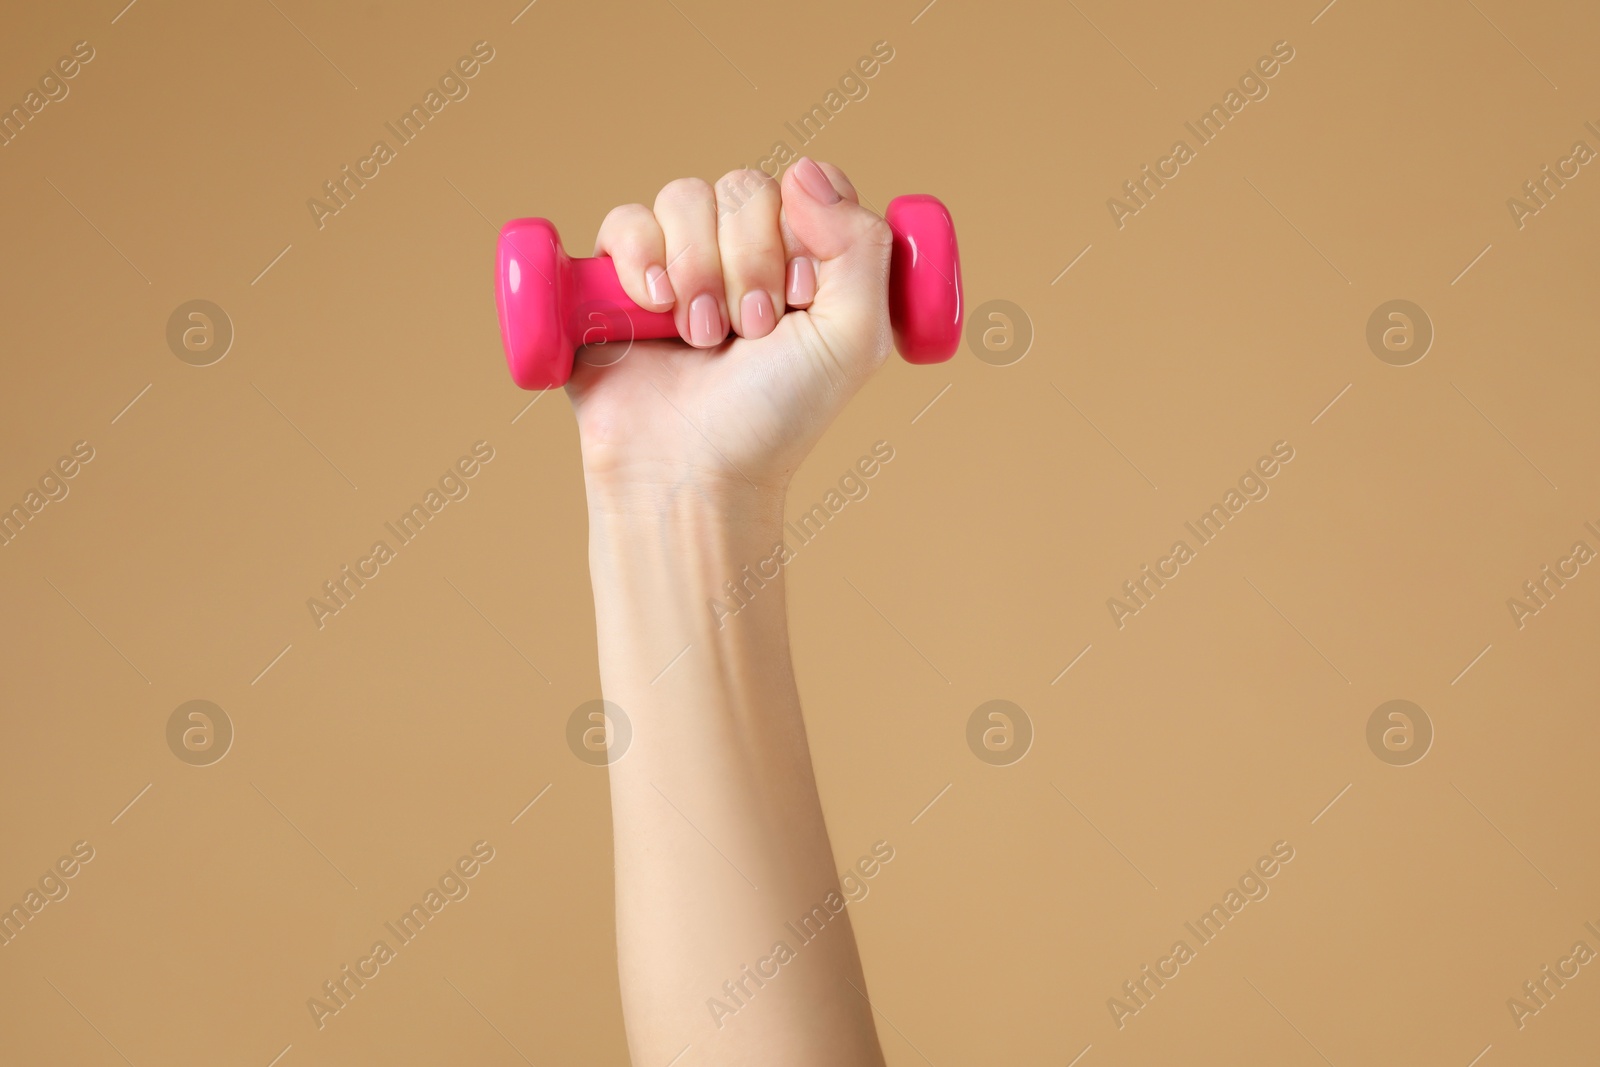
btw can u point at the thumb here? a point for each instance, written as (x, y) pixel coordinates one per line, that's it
(852, 246)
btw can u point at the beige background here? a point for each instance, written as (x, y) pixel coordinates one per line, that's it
(1224, 317)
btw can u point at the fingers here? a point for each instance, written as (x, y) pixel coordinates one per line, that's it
(822, 212)
(800, 279)
(632, 238)
(737, 255)
(751, 246)
(849, 246)
(687, 212)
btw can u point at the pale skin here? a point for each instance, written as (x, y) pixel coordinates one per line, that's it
(688, 450)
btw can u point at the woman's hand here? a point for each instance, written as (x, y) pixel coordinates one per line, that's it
(797, 271)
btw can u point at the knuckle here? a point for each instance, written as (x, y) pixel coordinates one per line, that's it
(628, 215)
(744, 183)
(753, 267)
(685, 192)
(879, 233)
(629, 230)
(750, 245)
(695, 263)
(632, 248)
(625, 222)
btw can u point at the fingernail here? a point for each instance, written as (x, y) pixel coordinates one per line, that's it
(705, 321)
(755, 313)
(815, 182)
(656, 283)
(802, 281)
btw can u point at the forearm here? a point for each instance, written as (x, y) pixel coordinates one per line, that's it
(720, 842)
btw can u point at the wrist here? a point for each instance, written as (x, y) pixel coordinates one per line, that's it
(690, 505)
(671, 549)
(671, 565)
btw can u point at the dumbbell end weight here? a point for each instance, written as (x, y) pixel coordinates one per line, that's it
(551, 304)
(925, 303)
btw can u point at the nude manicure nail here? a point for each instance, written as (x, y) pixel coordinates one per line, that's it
(656, 283)
(802, 281)
(755, 313)
(815, 182)
(705, 321)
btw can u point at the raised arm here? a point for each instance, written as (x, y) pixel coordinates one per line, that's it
(688, 448)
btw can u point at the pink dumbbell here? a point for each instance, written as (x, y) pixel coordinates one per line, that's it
(551, 304)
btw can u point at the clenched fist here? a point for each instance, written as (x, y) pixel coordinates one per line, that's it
(780, 294)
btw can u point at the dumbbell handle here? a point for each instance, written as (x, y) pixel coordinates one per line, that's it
(551, 304)
(597, 286)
